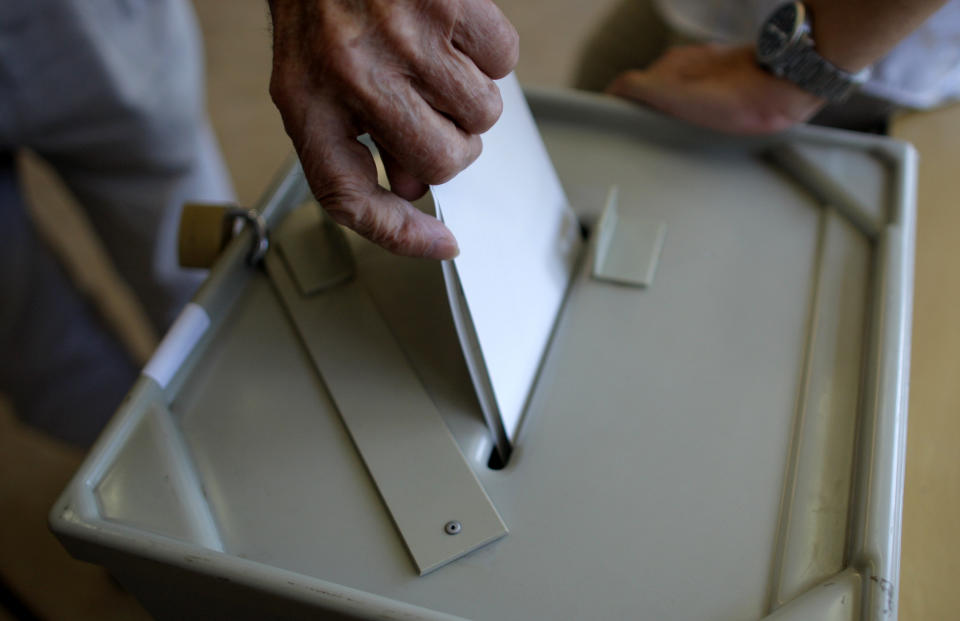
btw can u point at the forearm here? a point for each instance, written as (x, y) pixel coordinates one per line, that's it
(724, 88)
(853, 34)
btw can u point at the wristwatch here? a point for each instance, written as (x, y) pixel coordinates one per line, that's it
(785, 48)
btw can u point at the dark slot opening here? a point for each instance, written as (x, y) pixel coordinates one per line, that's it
(496, 462)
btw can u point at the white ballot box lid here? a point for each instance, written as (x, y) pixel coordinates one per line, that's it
(726, 442)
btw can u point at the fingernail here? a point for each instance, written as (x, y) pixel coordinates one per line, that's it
(442, 248)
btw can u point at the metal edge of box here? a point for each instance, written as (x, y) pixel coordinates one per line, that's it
(75, 517)
(86, 539)
(609, 111)
(874, 542)
(876, 511)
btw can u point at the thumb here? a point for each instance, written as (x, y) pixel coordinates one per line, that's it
(344, 181)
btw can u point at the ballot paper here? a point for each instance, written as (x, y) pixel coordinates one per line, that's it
(518, 241)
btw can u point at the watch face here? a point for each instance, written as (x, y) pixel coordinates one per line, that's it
(780, 30)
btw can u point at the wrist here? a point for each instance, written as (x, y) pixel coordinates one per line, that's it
(786, 48)
(789, 101)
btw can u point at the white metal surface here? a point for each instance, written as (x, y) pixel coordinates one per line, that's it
(406, 447)
(668, 459)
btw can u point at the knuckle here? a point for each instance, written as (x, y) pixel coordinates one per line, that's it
(512, 46)
(403, 42)
(279, 91)
(444, 161)
(374, 222)
(338, 192)
(393, 238)
(478, 105)
(355, 209)
(351, 211)
(288, 92)
(343, 65)
(508, 46)
(488, 106)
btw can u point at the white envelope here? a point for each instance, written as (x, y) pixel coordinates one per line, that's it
(518, 241)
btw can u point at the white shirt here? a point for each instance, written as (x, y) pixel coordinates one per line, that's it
(921, 72)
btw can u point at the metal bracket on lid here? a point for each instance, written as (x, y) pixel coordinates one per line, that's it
(253, 219)
(432, 494)
(627, 250)
(315, 250)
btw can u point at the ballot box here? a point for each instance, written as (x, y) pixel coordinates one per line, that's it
(716, 431)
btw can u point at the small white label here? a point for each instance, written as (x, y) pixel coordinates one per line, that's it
(184, 334)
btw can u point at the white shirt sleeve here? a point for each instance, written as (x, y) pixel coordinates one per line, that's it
(921, 72)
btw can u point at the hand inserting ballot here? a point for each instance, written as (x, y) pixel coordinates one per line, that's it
(417, 76)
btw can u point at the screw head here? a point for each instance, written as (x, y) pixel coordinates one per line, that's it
(453, 527)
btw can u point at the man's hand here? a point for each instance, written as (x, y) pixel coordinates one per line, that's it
(417, 75)
(719, 87)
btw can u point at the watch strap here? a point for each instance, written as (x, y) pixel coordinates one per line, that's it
(815, 74)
